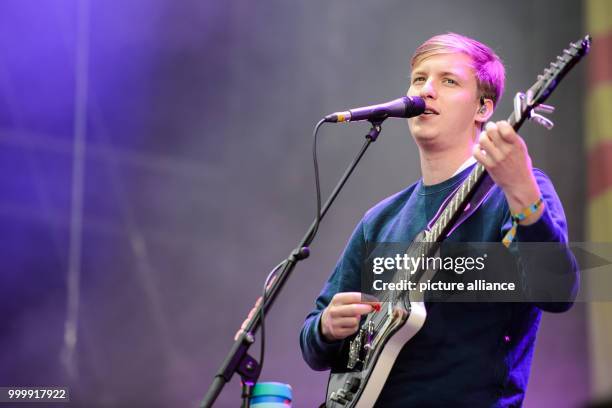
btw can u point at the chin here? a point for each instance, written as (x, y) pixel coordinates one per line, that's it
(423, 135)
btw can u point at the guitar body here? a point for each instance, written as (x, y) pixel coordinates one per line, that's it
(361, 388)
(373, 350)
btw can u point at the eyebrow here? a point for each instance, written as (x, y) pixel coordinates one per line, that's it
(443, 73)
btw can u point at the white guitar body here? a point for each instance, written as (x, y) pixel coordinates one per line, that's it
(402, 321)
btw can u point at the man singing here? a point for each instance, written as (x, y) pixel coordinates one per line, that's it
(466, 354)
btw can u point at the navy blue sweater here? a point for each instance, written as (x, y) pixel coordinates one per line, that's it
(466, 354)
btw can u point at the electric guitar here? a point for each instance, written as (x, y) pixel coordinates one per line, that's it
(369, 355)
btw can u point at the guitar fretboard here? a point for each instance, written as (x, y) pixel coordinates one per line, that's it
(455, 205)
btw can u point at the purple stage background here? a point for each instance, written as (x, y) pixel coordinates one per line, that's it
(198, 177)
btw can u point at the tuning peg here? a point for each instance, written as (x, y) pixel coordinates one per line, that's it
(541, 120)
(519, 105)
(541, 108)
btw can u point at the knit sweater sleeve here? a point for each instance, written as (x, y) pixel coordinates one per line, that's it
(316, 350)
(548, 272)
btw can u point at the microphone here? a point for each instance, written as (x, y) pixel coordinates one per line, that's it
(404, 107)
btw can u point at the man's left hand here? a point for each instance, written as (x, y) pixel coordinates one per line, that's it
(504, 154)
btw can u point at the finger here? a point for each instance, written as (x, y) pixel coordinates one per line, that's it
(338, 328)
(347, 322)
(244, 325)
(347, 298)
(490, 129)
(506, 132)
(344, 333)
(367, 298)
(240, 331)
(490, 148)
(377, 306)
(356, 309)
(271, 282)
(481, 157)
(254, 309)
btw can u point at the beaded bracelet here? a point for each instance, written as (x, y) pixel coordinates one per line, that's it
(518, 217)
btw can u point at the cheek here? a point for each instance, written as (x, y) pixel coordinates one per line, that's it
(465, 110)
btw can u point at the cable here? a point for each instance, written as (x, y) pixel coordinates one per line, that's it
(262, 313)
(308, 241)
(317, 183)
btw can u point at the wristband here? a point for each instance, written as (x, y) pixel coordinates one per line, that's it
(518, 217)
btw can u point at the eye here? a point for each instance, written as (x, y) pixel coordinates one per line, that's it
(450, 81)
(418, 79)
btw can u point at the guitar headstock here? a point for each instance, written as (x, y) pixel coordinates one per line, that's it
(525, 105)
(548, 80)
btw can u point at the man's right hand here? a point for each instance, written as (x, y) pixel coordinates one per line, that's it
(341, 317)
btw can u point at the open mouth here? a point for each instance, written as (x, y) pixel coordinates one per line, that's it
(430, 111)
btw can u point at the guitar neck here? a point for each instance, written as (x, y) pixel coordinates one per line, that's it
(444, 220)
(447, 215)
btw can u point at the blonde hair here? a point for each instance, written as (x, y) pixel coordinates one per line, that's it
(490, 71)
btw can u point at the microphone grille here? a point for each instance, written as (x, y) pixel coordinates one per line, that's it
(415, 105)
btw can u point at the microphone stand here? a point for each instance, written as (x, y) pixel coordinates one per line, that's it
(238, 359)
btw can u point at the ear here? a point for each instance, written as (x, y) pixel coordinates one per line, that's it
(484, 111)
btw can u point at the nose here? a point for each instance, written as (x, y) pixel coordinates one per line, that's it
(427, 90)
